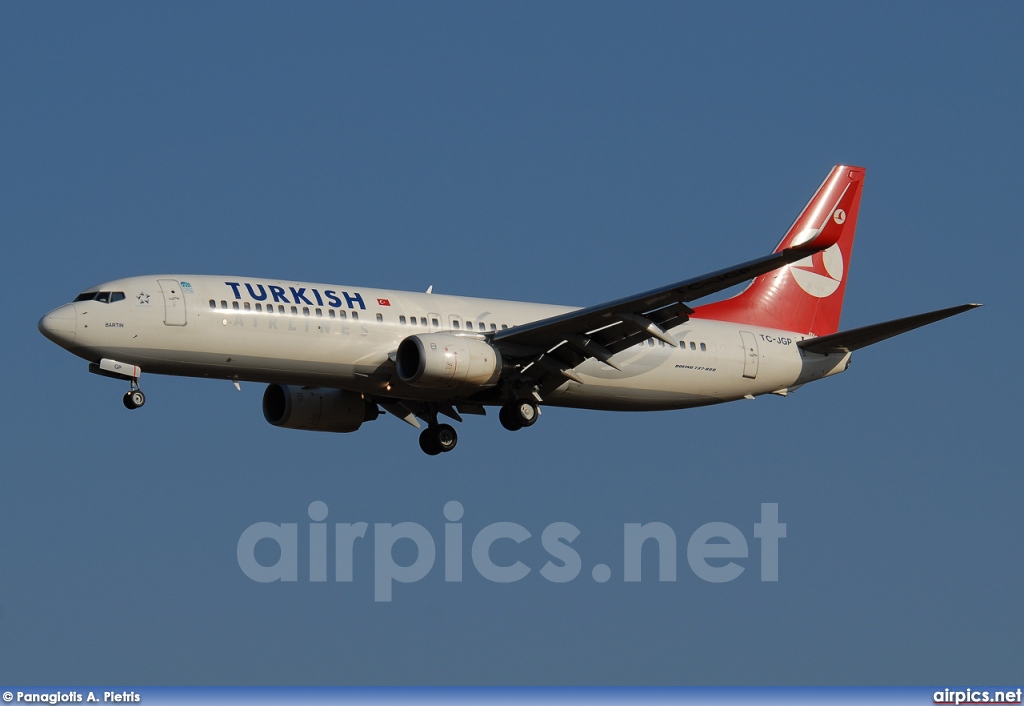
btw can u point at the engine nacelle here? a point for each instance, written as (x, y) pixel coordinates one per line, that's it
(444, 361)
(316, 408)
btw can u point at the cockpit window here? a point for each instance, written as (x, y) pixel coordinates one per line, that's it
(105, 297)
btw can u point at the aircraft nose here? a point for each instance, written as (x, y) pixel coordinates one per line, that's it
(59, 325)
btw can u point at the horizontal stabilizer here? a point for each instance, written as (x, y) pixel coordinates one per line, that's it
(846, 341)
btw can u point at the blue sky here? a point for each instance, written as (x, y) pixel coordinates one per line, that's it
(559, 152)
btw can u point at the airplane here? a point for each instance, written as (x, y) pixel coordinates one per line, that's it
(335, 356)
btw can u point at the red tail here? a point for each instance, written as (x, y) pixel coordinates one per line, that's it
(806, 296)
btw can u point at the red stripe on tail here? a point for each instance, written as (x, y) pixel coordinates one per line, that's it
(807, 296)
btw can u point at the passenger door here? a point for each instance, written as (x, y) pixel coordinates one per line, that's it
(750, 354)
(174, 302)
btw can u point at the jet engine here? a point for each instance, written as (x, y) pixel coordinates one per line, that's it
(444, 361)
(316, 408)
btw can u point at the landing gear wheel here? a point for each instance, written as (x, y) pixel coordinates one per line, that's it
(526, 412)
(506, 415)
(446, 437)
(428, 443)
(519, 414)
(438, 439)
(133, 399)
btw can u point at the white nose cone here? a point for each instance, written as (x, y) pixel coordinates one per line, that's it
(59, 325)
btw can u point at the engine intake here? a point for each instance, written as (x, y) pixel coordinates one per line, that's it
(316, 408)
(444, 361)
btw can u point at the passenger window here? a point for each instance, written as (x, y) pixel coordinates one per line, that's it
(305, 311)
(213, 303)
(280, 309)
(380, 318)
(223, 304)
(703, 347)
(330, 313)
(693, 346)
(342, 314)
(482, 326)
(469, 325)
(319, 313)
(295, 310)
(246, 306)
(504, 327)
(455, 324)
(436, 323)
(355, 315)
(423, 321)
(401, 320)
(234, 305)
(494, 327)
(259, 307)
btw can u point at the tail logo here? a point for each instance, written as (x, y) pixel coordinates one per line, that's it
(839, 216)
(821, 274)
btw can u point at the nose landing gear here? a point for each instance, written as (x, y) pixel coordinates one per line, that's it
(133, 399)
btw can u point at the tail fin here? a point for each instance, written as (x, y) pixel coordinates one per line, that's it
(806, 296)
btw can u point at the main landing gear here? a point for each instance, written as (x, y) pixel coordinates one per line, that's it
(133, 399)
(438, 438)
(518, 414)
(442, 438)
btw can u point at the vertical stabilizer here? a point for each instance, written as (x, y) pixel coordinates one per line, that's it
(807, 296)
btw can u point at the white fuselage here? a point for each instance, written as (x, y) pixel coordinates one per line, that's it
(297, 333)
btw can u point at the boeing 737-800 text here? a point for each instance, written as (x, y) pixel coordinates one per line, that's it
(334, 356)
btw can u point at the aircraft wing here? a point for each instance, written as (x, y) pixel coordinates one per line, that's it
(853, 339)
(562, 342)
(549, 349)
